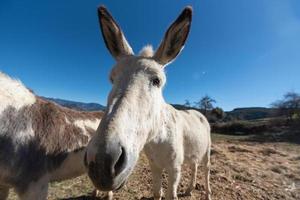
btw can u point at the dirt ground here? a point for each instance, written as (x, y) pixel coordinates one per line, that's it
(241, 169)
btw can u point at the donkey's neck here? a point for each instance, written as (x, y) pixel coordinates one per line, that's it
(71, 167)
(167, 115)
(65, 139)
(61, 129)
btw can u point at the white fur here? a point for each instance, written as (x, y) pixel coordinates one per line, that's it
(83, 124)
(179, 138)
(19, 137)
(142, 119)
(93, 124)
(67, 120)
(138, 117)
(147, 51)
(25, 135)
(14, 93)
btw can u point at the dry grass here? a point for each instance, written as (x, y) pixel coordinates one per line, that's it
(240, 170)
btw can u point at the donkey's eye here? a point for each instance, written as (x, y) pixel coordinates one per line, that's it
(155, 81)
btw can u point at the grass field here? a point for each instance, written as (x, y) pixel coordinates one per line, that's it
(242, 168)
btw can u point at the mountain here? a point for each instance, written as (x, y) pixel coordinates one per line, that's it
(77, 105)
(248, 113)
(252, 113)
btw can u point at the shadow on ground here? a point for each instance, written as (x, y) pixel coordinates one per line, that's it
(84, 198)
(179, 196)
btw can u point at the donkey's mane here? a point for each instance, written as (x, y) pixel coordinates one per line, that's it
(8, 82)
(147, 51)
(14, 93)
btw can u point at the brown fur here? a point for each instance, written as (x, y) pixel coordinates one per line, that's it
(51, 129)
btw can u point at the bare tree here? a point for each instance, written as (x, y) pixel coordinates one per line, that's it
(218, 113)
(187, 103)
(289, 106)
(205, 104)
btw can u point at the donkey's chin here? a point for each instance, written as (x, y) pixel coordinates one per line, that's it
(104, 182)
(117, 182)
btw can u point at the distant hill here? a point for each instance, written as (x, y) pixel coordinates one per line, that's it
(183, 107)
(77, 105)
(250, 113)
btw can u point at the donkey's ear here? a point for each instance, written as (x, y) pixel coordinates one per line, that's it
(113, 36)
(174, 38)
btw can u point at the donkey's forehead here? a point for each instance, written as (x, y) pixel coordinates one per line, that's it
(133, 63)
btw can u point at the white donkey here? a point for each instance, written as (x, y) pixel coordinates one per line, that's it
(137, 116)
(40, 141)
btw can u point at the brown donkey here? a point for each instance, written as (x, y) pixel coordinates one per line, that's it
(40, 141)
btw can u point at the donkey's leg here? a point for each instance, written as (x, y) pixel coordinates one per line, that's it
(193, 179)
(110, 195)
(157, 181)
(96, 193)
(3, 192)
(206, 161)
(36, 190)
(173, 181)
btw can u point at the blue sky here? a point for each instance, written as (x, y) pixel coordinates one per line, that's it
(242, 53)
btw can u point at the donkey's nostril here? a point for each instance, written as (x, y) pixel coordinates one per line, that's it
(121, 162)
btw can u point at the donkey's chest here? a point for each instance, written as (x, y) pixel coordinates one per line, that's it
(164, 153)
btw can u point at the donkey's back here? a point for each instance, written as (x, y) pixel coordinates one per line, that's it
(39, 141)
(196, 145)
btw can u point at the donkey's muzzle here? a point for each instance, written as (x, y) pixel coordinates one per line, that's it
(107, 171)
